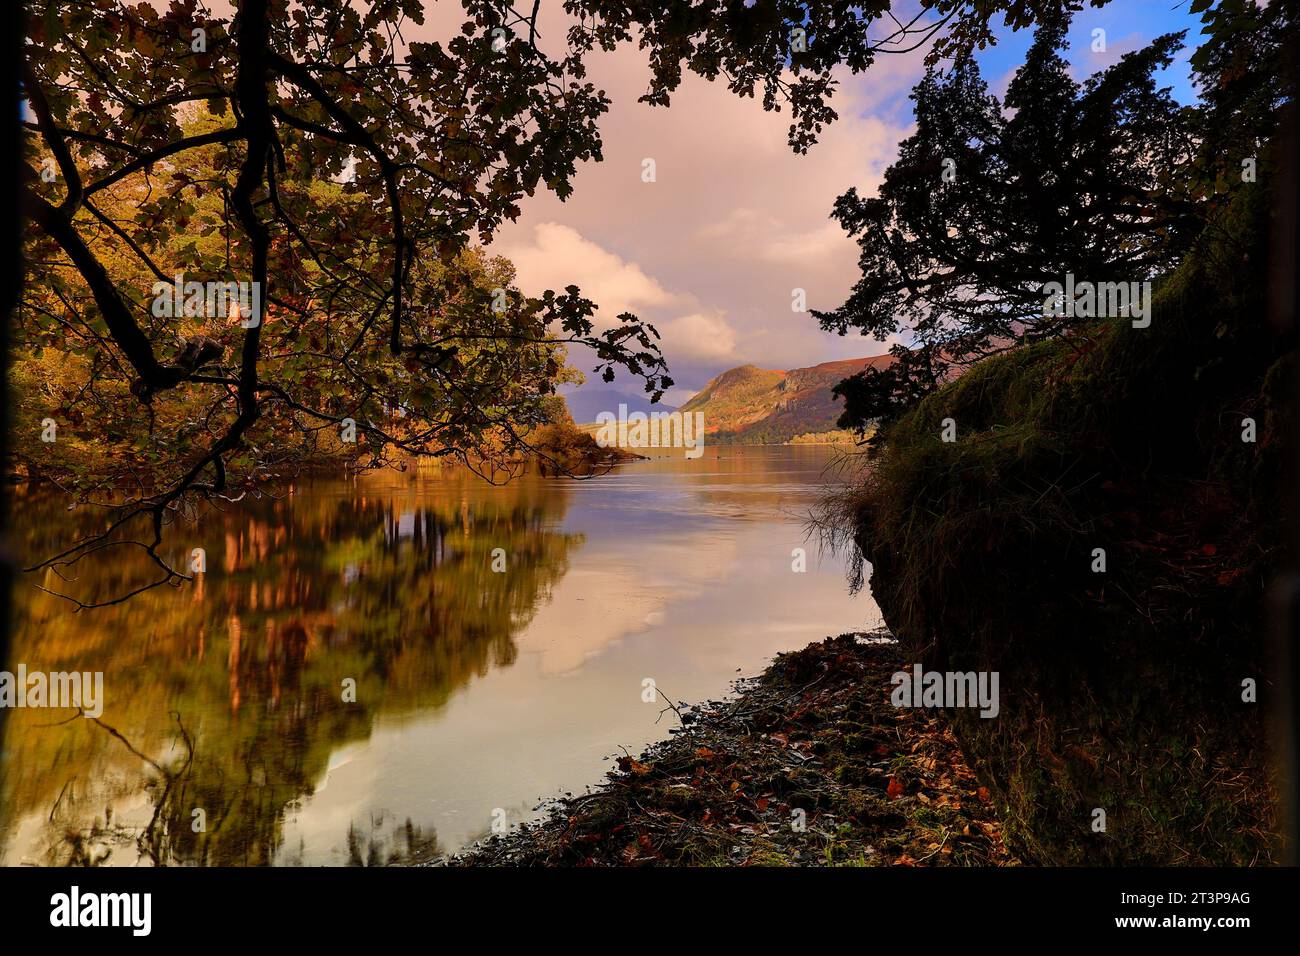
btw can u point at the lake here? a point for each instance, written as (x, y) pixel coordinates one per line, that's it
(373, 671)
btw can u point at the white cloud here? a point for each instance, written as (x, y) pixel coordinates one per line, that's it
(557, 255)
(700, 335)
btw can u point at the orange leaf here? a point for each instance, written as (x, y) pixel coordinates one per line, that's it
(894, 789)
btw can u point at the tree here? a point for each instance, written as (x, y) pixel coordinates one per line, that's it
(990, 200)
(1245, 72)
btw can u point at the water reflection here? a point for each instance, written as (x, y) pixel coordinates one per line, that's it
(227, 697)
(476, 692)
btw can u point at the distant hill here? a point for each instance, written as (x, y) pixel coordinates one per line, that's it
(749, 405)
(586, 403)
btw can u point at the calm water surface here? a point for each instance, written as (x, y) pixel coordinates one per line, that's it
(476, 691)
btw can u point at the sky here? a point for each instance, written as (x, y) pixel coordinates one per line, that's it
(711, 251)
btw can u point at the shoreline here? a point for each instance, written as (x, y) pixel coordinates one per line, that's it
(806, 764)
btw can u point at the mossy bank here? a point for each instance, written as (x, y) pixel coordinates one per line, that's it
(1102, 532)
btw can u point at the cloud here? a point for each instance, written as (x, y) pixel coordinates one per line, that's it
(735, 220)
(677, 396)
(762, 234)
(812, 245)
(700, 335)
(557, 255)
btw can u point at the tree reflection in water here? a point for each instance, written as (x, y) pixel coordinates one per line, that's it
(225, 695)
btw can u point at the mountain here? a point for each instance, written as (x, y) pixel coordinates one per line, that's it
(586, 403)
(750, 406)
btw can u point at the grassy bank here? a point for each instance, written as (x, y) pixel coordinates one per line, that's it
(807, 765)
(1159, 450)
